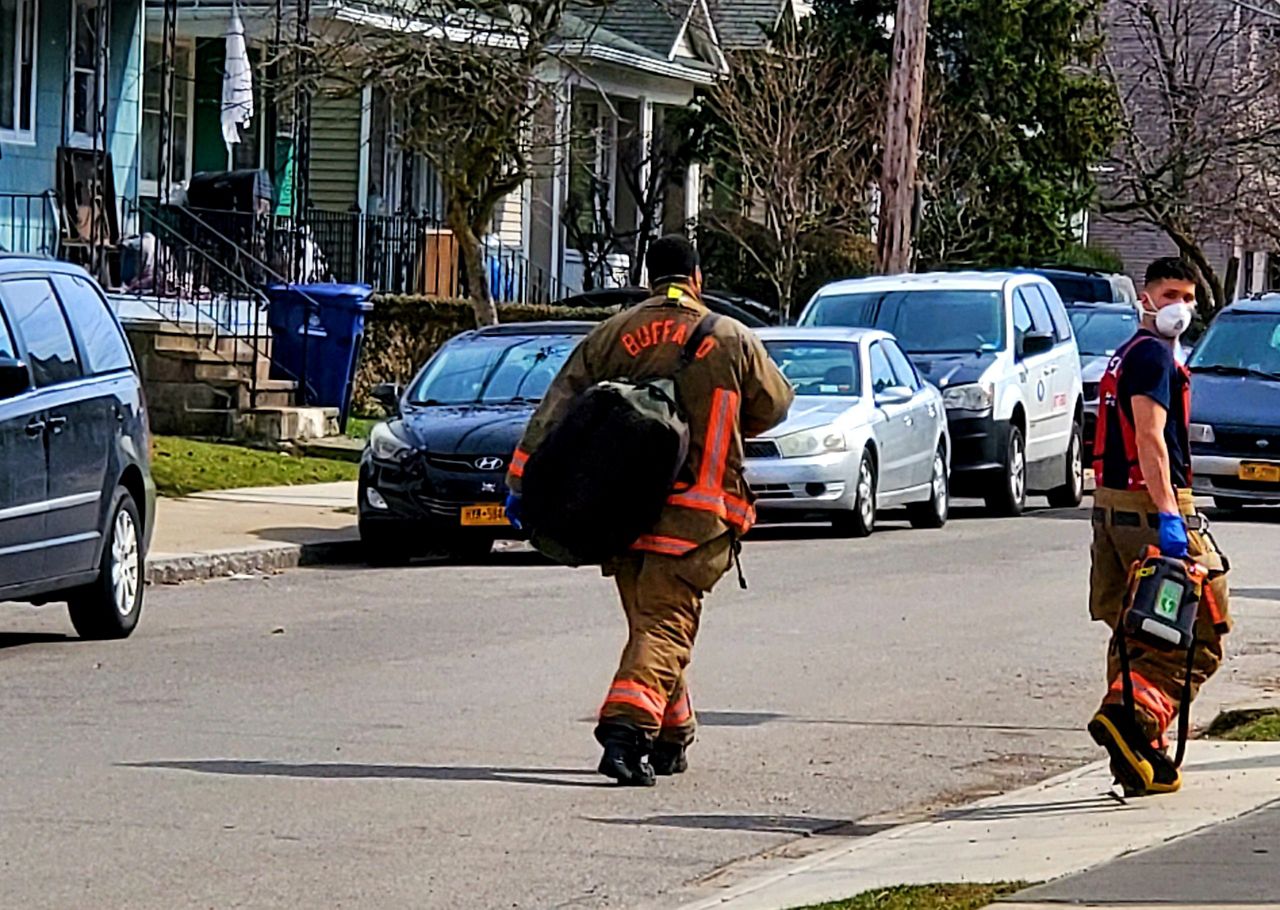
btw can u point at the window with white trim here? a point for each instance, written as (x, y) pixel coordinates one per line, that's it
(181, 121)
(18, 18)
(88, 81)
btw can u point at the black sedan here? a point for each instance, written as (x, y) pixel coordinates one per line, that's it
(432, 476)
(1235, 405)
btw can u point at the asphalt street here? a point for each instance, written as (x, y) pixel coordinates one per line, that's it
(421, 737)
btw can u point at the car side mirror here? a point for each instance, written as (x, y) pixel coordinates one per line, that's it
(1034, 343)
(15, 378)
(388, 395)
(894, 394)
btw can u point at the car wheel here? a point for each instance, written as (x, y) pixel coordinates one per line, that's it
(469, 549)
(387, 544)
(1229, 504)
(861, 520)
(933, 512)
(109, 607)
(1008, 496)
(1071, 493)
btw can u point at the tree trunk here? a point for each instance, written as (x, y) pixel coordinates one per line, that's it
(1192, 252)
(902, 136)
(473, 261)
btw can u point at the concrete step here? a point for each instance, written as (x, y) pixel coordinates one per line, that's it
(290, 424)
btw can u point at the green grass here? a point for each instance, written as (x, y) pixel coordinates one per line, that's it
(925, 897)
(359, 427)
(1253, 725)
(183, 466)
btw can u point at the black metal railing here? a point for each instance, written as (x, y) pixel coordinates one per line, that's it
(29, 223)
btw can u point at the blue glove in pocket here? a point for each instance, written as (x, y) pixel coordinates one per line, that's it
(514, 509)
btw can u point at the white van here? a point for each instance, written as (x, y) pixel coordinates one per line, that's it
(1000, 347)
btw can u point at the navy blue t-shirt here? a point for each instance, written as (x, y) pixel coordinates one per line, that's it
(1149, 369)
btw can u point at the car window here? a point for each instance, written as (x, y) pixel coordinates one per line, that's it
(101, 341)
(493, 370)
(1240, 341)
(1057, 312)
(38, 319)
(925, 321)
(1100, 332)
(818, 367)
(1039, 309)
(904, 372)
(7, 347)
(1022, 323)
(881, 372)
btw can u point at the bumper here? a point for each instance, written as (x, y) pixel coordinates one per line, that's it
(1219, 475)
(978, 442)
(821, 483)
(432, 499)
(1090, 424)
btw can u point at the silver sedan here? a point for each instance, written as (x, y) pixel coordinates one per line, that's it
(865, 433)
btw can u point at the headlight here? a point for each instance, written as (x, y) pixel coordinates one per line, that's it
(1201, 432)
(972, 397)
(813, 442)
(386, 445)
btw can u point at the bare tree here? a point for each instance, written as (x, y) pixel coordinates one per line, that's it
(1200, 95)
(474, 83)
(796, 129)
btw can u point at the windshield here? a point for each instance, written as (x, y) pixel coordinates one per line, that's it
(932, 321)
(1082, 289)
(1241, 341)
(1099, 333)
(818, 367)
(493, 370)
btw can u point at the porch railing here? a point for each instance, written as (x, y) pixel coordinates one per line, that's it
(29, 223)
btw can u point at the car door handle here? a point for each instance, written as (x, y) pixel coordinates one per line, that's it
(57, 422)
(908, 421)
(36, 427)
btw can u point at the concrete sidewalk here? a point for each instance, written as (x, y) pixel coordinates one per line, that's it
(1061, 827)
(230, 532)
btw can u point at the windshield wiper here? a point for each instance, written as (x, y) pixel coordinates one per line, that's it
(1228, 370)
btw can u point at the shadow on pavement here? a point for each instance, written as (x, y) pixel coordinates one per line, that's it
(1245, 763)
(1104, 802)
(19, 639)
(1268, 515)
(801, 825)
(1257, 593)
(349, 771)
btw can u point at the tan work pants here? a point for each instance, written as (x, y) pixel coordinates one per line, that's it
(1123, 527)
(662, 599)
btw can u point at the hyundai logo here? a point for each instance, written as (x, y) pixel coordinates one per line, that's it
(489, 463)
(1262, 444)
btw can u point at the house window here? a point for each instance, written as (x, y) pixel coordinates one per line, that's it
(17, 69)
(88, 79)
(152, 111)
(591, 165)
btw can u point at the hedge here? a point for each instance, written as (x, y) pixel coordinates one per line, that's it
(403, 331)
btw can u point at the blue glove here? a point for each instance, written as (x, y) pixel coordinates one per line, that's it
(514, 508)
(1173, 535)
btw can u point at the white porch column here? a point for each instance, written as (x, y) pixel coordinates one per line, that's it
(646, 160)
(560, 173)
(692, 193)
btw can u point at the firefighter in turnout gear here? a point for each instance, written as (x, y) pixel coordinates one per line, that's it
(1142, 464)
(729, 390)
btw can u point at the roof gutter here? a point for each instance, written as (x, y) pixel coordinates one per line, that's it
(635, 61)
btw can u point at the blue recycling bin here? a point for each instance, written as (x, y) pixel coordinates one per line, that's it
(317, 332)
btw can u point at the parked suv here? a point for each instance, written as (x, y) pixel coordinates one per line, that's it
(1000, 347)
(76, 498)
(1089, 286)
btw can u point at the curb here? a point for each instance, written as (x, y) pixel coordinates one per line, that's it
(173, 569)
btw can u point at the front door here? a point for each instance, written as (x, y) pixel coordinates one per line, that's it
(75, 416)
(895, 433)
(923, 415)
(23, 478)
(1035, 375)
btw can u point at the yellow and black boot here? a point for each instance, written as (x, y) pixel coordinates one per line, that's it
(1113, 729)
(1167, 778)
(626, 750)
(668, 758)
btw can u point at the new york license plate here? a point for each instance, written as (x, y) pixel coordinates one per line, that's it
(487, 515)
(1266, 473)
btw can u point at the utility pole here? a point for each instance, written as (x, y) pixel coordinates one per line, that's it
(902, 136)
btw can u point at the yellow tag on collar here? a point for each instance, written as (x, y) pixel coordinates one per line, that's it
(674, 293)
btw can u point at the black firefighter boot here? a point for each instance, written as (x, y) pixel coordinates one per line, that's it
(625, 754)
(668, 758)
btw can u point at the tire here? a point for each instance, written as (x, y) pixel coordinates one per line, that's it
(861, 520)
(109, 607)
(1229, 504)
(1071, 493)
(1008, 495)
(387, 545)
(933, 512)
(469, 549)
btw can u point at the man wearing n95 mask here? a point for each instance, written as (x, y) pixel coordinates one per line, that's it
(1142, 465)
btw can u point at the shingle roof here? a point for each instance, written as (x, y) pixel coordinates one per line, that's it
(653, 24)
(741, 24)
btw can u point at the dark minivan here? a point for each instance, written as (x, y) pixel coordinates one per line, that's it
(77, 501)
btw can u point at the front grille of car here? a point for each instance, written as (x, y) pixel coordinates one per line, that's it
(1244, 441)
(761, 448)
(1245, 486)
(441, 507)
(468, 464)
(772, 491)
